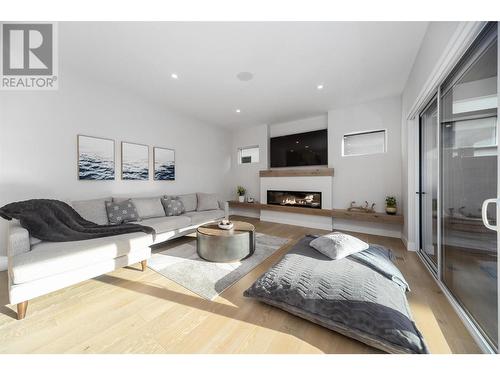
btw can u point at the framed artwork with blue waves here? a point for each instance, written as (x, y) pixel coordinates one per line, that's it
(96, 158)
(164, 164)
(135, 162)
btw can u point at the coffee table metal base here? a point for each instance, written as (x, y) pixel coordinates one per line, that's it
(225, 249)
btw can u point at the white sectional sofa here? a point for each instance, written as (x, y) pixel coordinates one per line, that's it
(36, 267)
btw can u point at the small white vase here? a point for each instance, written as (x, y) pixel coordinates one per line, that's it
(241, 198)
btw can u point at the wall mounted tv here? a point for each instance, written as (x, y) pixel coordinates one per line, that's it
(297, 150)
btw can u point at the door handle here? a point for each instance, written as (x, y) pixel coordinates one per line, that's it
(484, 214)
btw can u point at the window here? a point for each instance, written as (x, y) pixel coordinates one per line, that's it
(364, 143)
(247, 155)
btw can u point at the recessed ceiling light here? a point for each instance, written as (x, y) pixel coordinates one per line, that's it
(320, 86)
(244, 76)
(174, 76)
(238, 110)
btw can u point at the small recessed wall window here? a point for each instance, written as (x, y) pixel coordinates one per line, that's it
(248, 155)
(364, 143)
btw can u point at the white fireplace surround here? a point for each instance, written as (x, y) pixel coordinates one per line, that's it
(323, 184)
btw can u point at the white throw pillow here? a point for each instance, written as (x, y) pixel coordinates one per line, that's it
(337, 245)
(207, 202)
(148, 207)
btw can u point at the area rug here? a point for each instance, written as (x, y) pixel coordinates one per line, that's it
(208, 279)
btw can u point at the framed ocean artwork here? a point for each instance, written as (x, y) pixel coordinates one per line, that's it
(96, 158)
(135, 161)
(164, 164)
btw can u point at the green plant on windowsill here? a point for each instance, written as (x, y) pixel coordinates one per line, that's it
(391, 205)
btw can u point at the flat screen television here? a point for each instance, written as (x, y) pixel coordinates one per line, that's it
(297, 150)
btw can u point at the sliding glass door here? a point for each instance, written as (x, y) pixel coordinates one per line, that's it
(458, 165)
(429, 184)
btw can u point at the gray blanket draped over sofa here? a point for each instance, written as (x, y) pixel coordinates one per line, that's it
(56, 221)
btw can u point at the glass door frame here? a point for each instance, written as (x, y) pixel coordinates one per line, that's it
(468, 320)
(435, 269)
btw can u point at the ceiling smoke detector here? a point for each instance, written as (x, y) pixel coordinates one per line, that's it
(244, 76)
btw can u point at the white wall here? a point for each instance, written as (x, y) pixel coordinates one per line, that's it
(367, 177)
(247, 175)
(38, 133)
(299, 126)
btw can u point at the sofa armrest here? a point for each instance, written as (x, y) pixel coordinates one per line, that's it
(224, 205)
(18, 240)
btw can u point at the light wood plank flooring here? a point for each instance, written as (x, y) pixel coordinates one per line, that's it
(129, 311)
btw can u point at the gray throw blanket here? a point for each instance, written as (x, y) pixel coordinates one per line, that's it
(360, 296)
(56, 221)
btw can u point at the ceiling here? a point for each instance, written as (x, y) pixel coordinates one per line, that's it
(355, 61)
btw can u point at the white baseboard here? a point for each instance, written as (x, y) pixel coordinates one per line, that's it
(377, 229)
(410, 246)
(3, 263)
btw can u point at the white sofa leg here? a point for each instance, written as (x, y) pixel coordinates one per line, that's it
(144, 264)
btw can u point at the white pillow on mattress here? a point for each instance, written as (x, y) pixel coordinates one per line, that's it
(337, 245)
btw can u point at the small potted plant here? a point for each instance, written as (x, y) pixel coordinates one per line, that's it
(391, 206)
(241, 193)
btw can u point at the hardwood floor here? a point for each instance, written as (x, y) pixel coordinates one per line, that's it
(129, 311)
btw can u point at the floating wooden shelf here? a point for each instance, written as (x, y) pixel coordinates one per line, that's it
(296, 172)
(378, 217)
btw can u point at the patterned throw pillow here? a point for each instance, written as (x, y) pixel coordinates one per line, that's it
(173, 207)
(121, 212)
(338, 245)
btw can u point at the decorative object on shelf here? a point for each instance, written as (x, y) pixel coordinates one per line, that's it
(250, 200)
(135, 161)
(164, 164)
(367, 208)
(241, 193)
(225, 224)
(96, 158)
(391, 206)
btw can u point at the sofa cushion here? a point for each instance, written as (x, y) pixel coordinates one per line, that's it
(148, 207)
(204, 216)
(166, 224)
(173, 207)
(190, 201)
(93, 210)
(51, 258)
(121, 212)
(207, 202)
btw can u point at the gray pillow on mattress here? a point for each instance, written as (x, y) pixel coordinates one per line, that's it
(356, 298)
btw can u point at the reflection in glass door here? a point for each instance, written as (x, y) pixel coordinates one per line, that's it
(468, 146)
(429, 184)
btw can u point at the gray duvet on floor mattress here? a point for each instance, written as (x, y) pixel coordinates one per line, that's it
(361, 296)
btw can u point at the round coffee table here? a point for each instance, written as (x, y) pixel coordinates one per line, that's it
(225, 246)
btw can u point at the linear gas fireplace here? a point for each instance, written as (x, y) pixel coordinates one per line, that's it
(294, 198)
